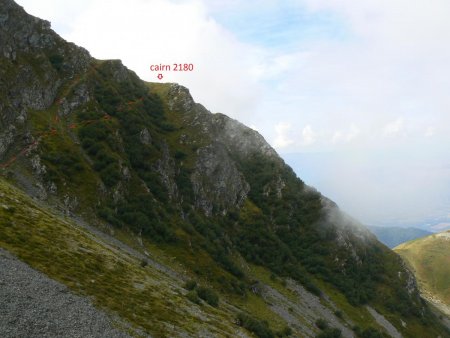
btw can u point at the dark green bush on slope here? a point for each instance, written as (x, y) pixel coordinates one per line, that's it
(259, 328)
(208, 295)
(330, 333)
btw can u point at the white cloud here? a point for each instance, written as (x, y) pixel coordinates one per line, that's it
(346, 136)
(429, 132)
(286, 138)
(283, 139)
(394, 127)
(308, 136)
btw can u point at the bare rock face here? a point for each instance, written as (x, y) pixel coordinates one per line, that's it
(79, 97)
(241, 138)
(180, 99)
(217, 181)
(145, 137)
(166, 169)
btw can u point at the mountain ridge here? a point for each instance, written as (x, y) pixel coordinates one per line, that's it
(146, 163)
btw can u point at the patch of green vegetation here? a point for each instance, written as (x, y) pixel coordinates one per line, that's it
(430, 262)
(369, 332)
(269, 278)
(358, 314)
(259, 328)
(330, 333)
(193, 297)
(57, 61)
(208, 295)
(327, 331)
(190, 285)
(259, 309)
(200, 292)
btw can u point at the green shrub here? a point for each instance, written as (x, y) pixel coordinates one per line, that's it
(286, 332)
(109, 216)
(208, 295)
(190, 284)
(179, 155)
(321, 323)
(110, 175)
(339, 314)
(369, 333)
(57, 61)
(330, 333)
(259, 328)
(193, 297)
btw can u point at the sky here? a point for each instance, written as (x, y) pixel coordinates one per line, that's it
(352, 94)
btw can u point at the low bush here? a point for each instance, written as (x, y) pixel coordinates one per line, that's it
(259, 328)
(190, 285)
(193, 297)
(286, 332)
(321, 323)
(330, 333)
(208, 295)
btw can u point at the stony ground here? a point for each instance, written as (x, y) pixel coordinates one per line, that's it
(32, 305)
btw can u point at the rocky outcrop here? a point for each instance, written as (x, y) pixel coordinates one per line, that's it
(217, 182)
(237, 138)
(145, 137)
(166, 169)
(80, 95)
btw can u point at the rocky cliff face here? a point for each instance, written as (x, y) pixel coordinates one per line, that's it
(33, 57)
(92, 139)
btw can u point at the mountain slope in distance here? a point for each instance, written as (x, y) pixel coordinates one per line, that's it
(179, 189)
(393, 236)
(429, 258)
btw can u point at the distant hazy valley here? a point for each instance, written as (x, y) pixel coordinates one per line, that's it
(393, 236)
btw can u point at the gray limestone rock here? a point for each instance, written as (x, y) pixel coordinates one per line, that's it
(217, 182)
(145, 137)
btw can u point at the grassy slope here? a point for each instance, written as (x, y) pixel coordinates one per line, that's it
(144, 297)
(430, 259)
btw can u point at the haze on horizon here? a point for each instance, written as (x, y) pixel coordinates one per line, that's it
(352, 94)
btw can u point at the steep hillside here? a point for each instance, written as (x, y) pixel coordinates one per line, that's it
(393, 236)
(157, 171)
(429, 258)
(141, 293)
